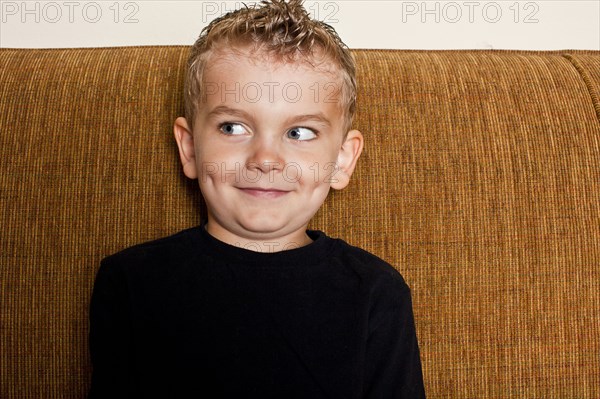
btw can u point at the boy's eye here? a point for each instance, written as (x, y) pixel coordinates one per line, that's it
(301, 134)
(232, 129)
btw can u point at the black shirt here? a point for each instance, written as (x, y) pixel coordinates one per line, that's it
(188, 316)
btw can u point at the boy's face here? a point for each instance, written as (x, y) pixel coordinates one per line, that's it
(268, 143)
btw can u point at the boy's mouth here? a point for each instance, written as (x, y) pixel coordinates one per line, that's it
(258, 192)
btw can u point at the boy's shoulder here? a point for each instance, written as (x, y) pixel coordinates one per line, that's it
(369, 265)
(154, 251)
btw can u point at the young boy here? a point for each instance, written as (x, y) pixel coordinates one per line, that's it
(251, 304)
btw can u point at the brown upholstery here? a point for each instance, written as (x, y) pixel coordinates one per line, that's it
(480, 182)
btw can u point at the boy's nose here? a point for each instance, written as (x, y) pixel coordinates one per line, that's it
(266, 156)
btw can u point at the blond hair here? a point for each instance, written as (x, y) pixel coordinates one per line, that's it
(280, 29)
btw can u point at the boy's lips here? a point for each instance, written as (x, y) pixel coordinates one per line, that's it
(260, 192)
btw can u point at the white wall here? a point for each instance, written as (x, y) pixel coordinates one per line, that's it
(430, 24)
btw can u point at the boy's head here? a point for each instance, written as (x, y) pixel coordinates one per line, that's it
(269, 102)
(280, 30)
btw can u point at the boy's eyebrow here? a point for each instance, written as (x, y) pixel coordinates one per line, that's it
(318, 117)
(225, 110)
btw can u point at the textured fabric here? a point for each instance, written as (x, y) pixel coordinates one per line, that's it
(480, 182)
(188, 315)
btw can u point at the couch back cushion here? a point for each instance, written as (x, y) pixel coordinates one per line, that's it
(480, 183)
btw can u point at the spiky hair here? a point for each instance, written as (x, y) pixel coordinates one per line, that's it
(279, 29)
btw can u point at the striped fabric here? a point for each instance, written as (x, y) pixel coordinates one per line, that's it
(480, 183)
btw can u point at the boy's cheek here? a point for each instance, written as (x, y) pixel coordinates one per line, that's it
(208, 170)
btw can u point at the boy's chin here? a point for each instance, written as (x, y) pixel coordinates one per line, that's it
(270, 228)
(264, 227)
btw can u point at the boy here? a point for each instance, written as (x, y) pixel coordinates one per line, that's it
(251, 304)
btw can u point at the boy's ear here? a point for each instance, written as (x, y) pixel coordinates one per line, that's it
(185, 143)
(346, 162)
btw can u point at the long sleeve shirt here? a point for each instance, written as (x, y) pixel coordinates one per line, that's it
(189, 316)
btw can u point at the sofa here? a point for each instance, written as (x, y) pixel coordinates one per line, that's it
(479, 182)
